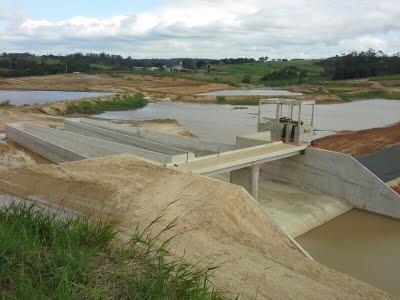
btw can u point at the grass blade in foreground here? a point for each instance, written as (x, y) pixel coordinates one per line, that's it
(42, 256)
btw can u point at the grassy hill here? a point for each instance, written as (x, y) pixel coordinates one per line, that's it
(259, 69)
(237, 74)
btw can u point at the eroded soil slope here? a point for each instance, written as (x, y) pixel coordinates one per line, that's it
(217, 224)
(362, 142)
(156, 86)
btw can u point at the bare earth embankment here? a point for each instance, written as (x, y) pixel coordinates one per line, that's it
(217, 224)
(155, 86)
(361, 142)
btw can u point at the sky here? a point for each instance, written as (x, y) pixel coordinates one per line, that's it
(200, 28)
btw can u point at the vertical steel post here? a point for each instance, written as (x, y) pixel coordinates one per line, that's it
(312, 114)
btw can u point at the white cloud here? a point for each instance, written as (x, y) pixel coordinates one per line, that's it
(219, 28)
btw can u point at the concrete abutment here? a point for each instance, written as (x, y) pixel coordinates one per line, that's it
(247, 178)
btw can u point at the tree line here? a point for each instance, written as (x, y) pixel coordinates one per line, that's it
(346, 66)
(360, 65)
(25, 64)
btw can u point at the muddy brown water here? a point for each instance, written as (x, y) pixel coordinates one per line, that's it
(361, 244)
(225, 122)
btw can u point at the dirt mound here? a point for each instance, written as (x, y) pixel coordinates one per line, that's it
(18, 114)
(164, 126)
(217, 223)
(11, 157)
(362, 142)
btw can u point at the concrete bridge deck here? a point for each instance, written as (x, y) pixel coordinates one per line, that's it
(242, 158)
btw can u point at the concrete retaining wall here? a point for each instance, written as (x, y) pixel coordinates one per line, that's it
(50, 151)
(195, 145)
(112, 136)
(93, 147)
(339, 175)
(81, 146)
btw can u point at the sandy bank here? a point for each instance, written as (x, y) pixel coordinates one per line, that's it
(156, 86)
(217, 223)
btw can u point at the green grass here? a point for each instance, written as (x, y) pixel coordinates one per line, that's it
(6, 103)
(259, 69)
(368, 95)
(220, 99)
(52, 61)
(385, 77)
(92, 107)
(237, 101)
(346, 84)
(43, 257)
(237, 74)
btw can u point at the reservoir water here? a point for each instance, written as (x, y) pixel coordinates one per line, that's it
(36, 97)
(225, 122)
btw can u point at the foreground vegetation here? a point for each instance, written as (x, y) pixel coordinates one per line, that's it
(126, 102)
(45, 257)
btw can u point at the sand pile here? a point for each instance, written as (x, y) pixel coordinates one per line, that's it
(21, 113)
(10, 157)
(218, 224)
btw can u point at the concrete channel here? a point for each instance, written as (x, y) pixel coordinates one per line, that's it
(116, 137)
(61, 146)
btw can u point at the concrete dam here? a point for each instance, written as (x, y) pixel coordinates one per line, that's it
(301, 187)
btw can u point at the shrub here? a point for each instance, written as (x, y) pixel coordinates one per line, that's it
(246, 78)
(127, 102)
(221, 99)
(5, 103)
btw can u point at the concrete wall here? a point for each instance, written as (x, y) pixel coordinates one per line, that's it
(100, 147)
(46, 149)
(182, 142)
(112, 136)
(274, 127)
(339, 175)
(81, 146)
(254, 139)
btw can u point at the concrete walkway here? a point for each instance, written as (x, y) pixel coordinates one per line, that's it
(238, 159)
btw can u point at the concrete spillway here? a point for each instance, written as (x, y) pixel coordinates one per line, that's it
(61, 146)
